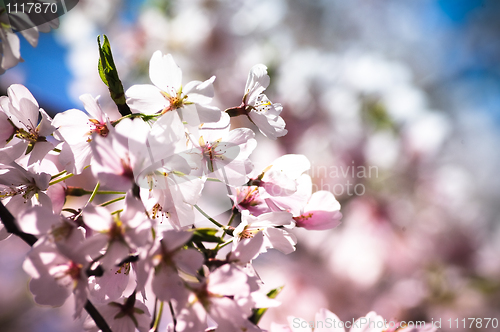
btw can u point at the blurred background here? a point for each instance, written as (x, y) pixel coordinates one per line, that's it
(396, 104)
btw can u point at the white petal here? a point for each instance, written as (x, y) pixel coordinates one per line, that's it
(168, 285)
(279, 218)
(92, 107)
(164, 73)
(39, 152)
(174, 239)
(281, 240)
(268, 127)
(189, 260)
(10, 49)
(115, 253)
(13, 150)
(73, 125)
(109, 161)
(257, 81)
(248, 249)
(97, 218)
(200, 92)
(45, 128)
(31, 35)
(228, 280)
(197, 114)
(146, 98)
(37, 220)
(24, 107)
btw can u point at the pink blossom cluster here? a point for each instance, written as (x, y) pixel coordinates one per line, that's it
(153, 165)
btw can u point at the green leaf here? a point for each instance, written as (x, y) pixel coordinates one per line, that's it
(109, 75)
(206, 235)
(258, 313)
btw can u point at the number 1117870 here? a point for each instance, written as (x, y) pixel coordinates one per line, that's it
(473, 323)
(32, 7)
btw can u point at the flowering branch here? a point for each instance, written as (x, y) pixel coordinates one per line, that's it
(137, 158)
(9, 222)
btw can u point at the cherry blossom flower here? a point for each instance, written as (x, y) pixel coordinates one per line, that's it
(225, 153)
(276, 185)
(22, 110)
(280, 178)
(168, 94)
(223, 296)
(76, 129)
(172, 196)
(122, 159)
(120, 234)
(114, 160)
(21, 189)
(321, 212)
(277, 238)
(259, 109)
(149, 161)
(111, 285)
(169, 193)
(246, 249)
(248, 198)
(58, 271)
(317, 211)
(166, 258)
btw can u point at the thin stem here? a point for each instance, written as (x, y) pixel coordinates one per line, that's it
(76, 191)
(112, 201)
(173, 314)
(233, 214)
(232, 218)
(158, 318)
(92, 196)
(96, 316)
(154, 314)
(61, 179)
(57, 175)
(215, 222)
(116, 212)
(226, 243)
(110, 192)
